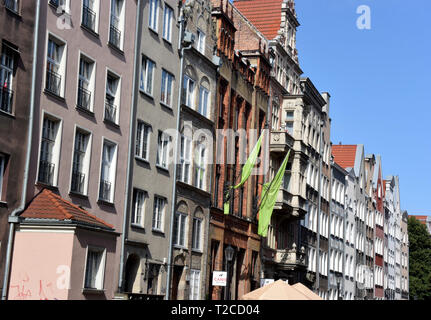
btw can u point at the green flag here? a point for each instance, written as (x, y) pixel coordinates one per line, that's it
(269, 198)
(249, 165)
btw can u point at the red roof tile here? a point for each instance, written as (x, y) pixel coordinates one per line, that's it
(265, 15)
(48, 205)
(344, 155)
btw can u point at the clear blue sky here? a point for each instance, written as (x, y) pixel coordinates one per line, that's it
(379, 80)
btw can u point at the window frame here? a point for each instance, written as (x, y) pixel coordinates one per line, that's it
(189, 96)
(166, 88)
(86, 159)
(116, 96)
(60, 65)
(153, 18)
(197, 237)
(141, 135)
(180, 229)
(200, 166)
(112, 170)
(134, 221)
(163, 144)
(143, 81)
(167, 25)
(2, 174)
(193, 295)
(102, 268)
(204, 96)
(159, 216)
(185, 159)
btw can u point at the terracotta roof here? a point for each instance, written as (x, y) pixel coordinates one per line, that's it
(48, 205)
(265, 15)
(422, 219)
(344, 155)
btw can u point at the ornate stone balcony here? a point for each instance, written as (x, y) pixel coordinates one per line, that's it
(290, 259)
(281, 141)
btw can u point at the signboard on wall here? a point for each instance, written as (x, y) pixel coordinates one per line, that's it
(219, 278)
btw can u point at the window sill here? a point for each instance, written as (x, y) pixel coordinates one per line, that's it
(142, 160)
(90, 31)
(14, 13)
(153, 31)
(105, 203)
(169, 42)
(7, 114)
(78, 195)
(83, 110)
(93, 291)
(158, 231)
(162, 168)
(198, 251)
(114, 47)
(54, 95)
(179, 247)
(137, 226)
(148, 95)
(166, 106)
(3, 204)
(47, 186)
(112, 124)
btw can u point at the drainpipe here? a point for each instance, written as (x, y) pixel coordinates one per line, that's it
(129, 156)
(174, 188)
(319, 208)
(13, 218)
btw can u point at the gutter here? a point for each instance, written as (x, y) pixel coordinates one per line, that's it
(129, 156)
(319, 209)
(13, 218)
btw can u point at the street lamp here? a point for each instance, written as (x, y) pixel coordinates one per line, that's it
(228, 252)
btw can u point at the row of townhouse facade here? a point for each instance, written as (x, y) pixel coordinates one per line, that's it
(114, 177)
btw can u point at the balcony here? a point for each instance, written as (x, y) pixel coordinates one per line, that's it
(105, 191)
(110, 112)
(281, 142)
(6, 97)
(53, 82)
(88, 18)
(290, 259)
(84, 98)
(46, 172)
(78, 180)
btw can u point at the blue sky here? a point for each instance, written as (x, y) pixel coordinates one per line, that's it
(379, 80)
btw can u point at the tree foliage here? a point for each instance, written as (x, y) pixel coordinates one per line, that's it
(419, 260)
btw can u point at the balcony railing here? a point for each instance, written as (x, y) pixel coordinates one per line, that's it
(281, 141)
(110, 112)
(292, 257)
(78, 180)
(84, 98)
(11, 5)
(53, 82)
(105, 191)
(6, 96)
(88, 18)
(115, 36)
(46, 172)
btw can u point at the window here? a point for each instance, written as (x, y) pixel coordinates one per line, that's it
(139, 202)
(108, 171)
(85, 83)
(289, 122)
(200, 167)
(275, 116)
(12, 5)
(94, 272)
(162, 150)
(185, 159)
(117, 23)
(195, 279)
(49, 151)
(55, 66)
(63, 4)
(167, 23)
(147, 75)
(89, 14)
(180, 224)
(201, 42)
(81, 162)
(197, 228)
(166, 91)
(203, 101)
(188, 92)
(158, 215)
(143, 141)
(2, 170)
(6, 77)
(154, 15)
(112, 98)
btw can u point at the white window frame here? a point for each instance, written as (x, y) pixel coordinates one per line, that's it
(195, 278)
(86, 159)
(204, 97)
(189, 91)
(180, 231)
(163, 150)
(168, 15)
(143, 134)
(112, 169)
(100, 282)
(159, 213)
(138, 211)
(117, 21)
(7, 64)
(185, 159)
(153, 19)
(96, 9)
(167, 88)
(59, 63)
(200, 44)
(146, 83)
(197, 237)
(89, 81)
(200, 167)
(116, 95)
